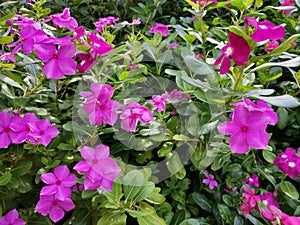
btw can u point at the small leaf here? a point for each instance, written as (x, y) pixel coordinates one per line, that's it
(6, 40)
(283, 118)
(113, 218)
(190, 222)
(21, 168)
(5, 178)
(202, 201)
(289, 189)
(269, 156)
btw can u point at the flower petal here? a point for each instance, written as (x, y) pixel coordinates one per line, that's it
(257, 139)
(238, 143)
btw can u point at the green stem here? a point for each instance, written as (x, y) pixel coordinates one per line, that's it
(36, 87)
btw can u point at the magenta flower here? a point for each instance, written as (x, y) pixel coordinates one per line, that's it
(134, 22)
(173, 45)
(288, 162)
(175, 96)
(252, 180)
(268, 199)
(110, 20)
(59, 183)
(159, 102)
(203, 3)
(158, 27)
(260, 106)
(210, 181)
(59, 62)
(247, 130)
(42, 132)
(12, 218)
(99, 46)
(5, 129)
(287, 3)
(101, 170)
(133, 113)
(265, 30)
(87, 62)
(131, 67)
(238, 49)
(48, 204)
(271, 45)
(249, 201)
(21, 128)
(98, 105)
(64, 19)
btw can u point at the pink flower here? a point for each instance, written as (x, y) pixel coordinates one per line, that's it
(173, 45)
(274, 214)
(159, 103)
(247, 130)
(238, 49)
(259, 106)
(249, 201)
(105, 21)
(252, 180)
(5, 129)
(268, 199)
(42, 132)
(99, 106)
(265, 30)
(210, 181)
(59, 183)
(175, 96)
(48, 204)
(78, 33)
(21, 128)
(158, 27)
(64, 19)
(198, 55)
(135, 67)
(87, 62)
(134, 22)
(59, 62)
(133, 113)
(203, 3)
(287, 3)
(288, 162)
(271, 45)
(101, 170)
(12, 218)
(99, 46)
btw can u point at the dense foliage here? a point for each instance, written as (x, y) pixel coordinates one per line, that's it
(149, 112)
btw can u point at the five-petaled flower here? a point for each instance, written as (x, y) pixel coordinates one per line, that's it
(249, 201)
(99, 168)
(247, 129)
(237, 48)
(12, 218)
(59, 183)
(210, 181)
(159, 28)
(64, 19)
(252, 180)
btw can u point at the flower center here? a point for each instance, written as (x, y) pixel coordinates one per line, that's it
(42, 132)
(133, 116)
(6, 129)
(58, 182)
(292, 164)
(102, 107)
(55, 56)
(94, 161)
(244, 129)
(54, 202)
(228, 51)
(27, 129)
(265, 202)
(250, 179)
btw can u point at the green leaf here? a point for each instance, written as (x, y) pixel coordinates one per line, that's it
(269, 156)
(267, 174)
(225, 212)
(113, 218)
(6, 40)
(115, 195)
(283, 118)
(21, 168)
(155, 197)
(174, 164)
(289, 189)
(151, 218)
(134, 183)
(178, 217)
(197, 66)
(190, 222)
(202, 201)
(88, 194)
(5, 178)
(285, 101)
(15, 78)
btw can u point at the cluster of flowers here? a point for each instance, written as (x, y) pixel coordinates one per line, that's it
(239, 50)
(102, 109)
(289, 162)
(99, 169)
(268, 206)
(17, 129)
(55, 197)
(248, 125)
(56, 53)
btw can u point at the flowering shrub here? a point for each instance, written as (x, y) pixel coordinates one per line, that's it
(149, 112)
